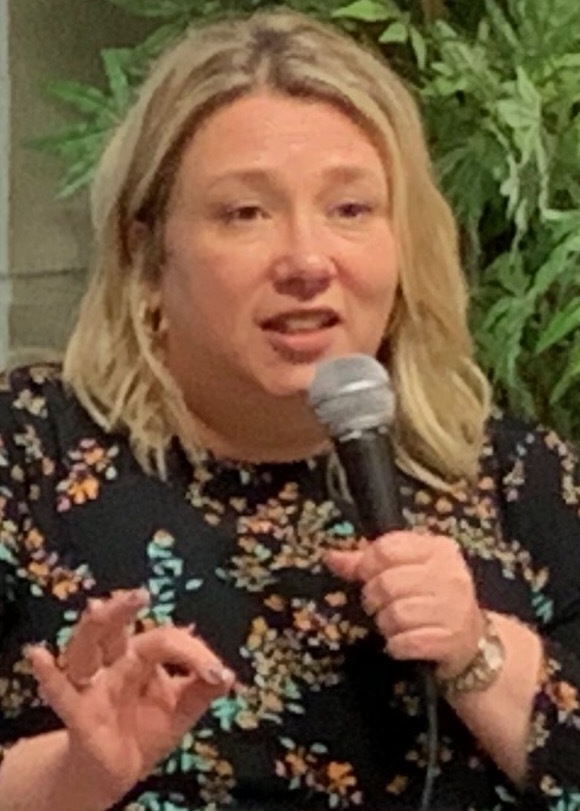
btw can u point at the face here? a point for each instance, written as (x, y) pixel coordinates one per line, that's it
(278, 247)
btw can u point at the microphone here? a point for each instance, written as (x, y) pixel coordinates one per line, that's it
(352, 396)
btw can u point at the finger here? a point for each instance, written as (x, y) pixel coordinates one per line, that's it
(388, 551)
(129, 676)
(161, 689)
(395, 584)
(175, 647)
(82, 654)
(344, 564)
(115, 639)
(195, 696)
(54, 685)
(395, 550)
(100, 627)
(407, 614)
(114, 645)
(430, 644)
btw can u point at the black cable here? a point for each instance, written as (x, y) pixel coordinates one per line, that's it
(431, 706)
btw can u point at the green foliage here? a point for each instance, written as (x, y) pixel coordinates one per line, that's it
(502, 110)
(498, 85)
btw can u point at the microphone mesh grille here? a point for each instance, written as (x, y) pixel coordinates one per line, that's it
(352, 394)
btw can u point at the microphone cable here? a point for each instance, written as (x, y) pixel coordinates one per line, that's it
(431, 699)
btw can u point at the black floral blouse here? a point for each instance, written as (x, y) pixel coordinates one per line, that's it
(325, 719)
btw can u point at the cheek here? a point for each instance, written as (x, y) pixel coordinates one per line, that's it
(206, 297)
(378, 270)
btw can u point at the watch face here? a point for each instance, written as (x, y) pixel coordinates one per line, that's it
(493, 653)
(482, 671)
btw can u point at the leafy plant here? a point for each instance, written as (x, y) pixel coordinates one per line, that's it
(502, 107)
(498, 85)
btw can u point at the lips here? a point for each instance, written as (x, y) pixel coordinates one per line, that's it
(293, 322)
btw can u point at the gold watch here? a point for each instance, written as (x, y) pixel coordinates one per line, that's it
(483, 669)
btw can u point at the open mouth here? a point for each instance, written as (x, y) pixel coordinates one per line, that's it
(301, 321)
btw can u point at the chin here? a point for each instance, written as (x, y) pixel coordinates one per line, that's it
(289, 381)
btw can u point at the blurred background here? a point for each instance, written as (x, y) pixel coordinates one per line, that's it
(44, 241)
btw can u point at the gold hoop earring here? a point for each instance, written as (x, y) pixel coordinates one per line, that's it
(152, 320)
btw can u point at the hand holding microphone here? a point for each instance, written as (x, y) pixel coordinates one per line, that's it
(417, 586)
(421, 595)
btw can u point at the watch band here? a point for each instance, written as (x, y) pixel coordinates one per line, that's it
(483, 669)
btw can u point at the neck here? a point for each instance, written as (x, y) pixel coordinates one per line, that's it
(257, 429)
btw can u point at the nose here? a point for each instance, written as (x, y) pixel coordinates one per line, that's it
(303, 275)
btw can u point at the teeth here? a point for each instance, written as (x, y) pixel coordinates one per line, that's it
(303, 324)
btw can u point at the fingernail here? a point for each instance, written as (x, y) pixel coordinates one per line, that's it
(217, 674)
(93, 604)
(30, 647)
(137, 597)
(367, 607)
(27, 651)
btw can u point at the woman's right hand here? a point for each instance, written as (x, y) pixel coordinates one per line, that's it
(127, 699)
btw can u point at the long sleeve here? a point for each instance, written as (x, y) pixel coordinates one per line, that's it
(11, 505)
(541, 490)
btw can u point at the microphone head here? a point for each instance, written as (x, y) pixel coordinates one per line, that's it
(352, 394)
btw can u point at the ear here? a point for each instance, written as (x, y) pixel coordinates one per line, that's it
(154, 299)
(151, 312)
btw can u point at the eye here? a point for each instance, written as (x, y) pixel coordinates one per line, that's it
(242, 214)
(352, 210)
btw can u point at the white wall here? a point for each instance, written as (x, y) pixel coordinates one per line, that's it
(49, 241)
(5, 286)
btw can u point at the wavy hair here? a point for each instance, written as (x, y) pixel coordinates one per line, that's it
(111, 361)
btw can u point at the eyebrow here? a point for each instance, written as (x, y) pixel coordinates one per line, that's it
(341, 173)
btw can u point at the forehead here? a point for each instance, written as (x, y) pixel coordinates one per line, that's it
(267, 130)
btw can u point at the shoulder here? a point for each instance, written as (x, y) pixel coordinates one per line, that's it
(539, 479)
(25, 431)
(514, 441)
(31, 395)
(39, 413)
(18, 386)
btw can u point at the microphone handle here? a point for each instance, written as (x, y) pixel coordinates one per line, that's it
(367, 460)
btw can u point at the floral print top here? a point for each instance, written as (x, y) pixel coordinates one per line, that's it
(325, 720)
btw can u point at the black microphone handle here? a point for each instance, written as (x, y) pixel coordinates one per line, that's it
(368, 462)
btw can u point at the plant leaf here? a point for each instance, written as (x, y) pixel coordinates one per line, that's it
(570, 375)
(368, 11)
(396, 32)
(115, 61)
(501, 25)
(419, 45)
(85, 98)
(560, 326)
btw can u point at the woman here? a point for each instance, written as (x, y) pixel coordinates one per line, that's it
(267, 204)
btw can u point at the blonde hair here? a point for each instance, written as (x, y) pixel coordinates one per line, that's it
(111, 362)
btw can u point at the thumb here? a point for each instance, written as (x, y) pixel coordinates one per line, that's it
(54, 687)
(195, 695)
(344, 564)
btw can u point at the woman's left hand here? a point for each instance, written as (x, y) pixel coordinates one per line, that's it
(421, 594)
